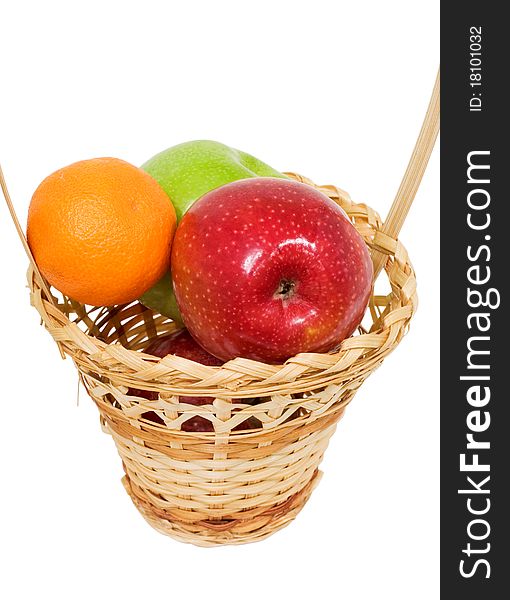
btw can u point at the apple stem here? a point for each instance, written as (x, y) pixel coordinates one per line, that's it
(285, 289)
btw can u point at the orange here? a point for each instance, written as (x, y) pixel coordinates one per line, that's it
(101, 230)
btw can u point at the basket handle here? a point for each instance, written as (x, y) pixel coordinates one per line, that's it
(21, 234)
(413, 175)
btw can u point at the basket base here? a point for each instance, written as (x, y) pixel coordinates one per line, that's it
(208, 534)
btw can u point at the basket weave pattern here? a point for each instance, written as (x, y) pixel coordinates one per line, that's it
(226, 486)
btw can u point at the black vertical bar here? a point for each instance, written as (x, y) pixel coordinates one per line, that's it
(475, 264)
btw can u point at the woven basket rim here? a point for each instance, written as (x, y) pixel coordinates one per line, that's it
(176, 375)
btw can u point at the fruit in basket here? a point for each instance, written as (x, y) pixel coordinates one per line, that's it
(161, 298)
(189, 170)
(268, 268)
(101, 231)
(186, 172)
(182, 344)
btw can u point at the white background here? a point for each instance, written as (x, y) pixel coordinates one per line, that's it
(333, 90)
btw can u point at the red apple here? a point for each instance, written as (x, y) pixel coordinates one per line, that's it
(267, 268)
(182, 344)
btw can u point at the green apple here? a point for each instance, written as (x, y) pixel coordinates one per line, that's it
(186, 172)
(161, 298)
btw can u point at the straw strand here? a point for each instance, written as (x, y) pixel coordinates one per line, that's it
(22, 237)
(413, 175)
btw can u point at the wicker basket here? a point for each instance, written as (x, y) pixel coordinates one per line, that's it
(227, 486)
(230, 486)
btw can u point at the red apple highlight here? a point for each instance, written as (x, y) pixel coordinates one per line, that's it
(182, 344)
(267, 268)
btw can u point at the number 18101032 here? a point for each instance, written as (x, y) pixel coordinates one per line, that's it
(475, 68)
